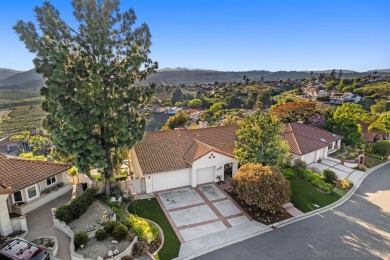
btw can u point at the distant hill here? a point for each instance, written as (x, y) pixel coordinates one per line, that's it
(184, 76)
(5, 73)
(23, 80)
(30, 79)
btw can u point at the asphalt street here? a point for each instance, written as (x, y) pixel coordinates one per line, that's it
(358, 229)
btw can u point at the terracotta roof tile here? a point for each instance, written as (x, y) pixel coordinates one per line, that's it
(18, 173)
(304, 139)
(177, 149)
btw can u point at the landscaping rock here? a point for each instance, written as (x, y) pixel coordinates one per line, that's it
(114, 242)
(110, 253)
(113, 199)
(116, 251)
(100, 258)
(120, 199)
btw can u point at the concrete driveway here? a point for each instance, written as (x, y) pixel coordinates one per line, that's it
(358, 229)
(342, 171)
(200, 211)
(40, 223)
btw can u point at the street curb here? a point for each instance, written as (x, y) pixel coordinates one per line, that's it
(286, 222)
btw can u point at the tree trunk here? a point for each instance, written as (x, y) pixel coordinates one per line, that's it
(107, 170)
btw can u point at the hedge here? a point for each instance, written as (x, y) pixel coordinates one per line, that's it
(313, 178)
(76, 207)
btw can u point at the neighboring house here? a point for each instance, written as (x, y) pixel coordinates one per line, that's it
(340, 98)
(177, 158)
(8, 146)
(371, 136)
(310, 143)
(23, 186)
(171, 159)
(194, 114)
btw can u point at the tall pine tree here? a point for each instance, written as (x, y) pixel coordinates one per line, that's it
(91, 93)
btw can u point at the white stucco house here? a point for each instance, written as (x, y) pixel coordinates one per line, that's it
(171, 159)
(310, 143)
(177, 158)
(25, 185)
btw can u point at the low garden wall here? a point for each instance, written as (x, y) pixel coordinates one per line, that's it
(19, 223)
(346, 163)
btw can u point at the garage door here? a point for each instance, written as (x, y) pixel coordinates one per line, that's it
(310, 157)
(171, 180)
(205, 175)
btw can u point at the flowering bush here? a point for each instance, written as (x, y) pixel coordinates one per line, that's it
(143, 229)
(261, 186)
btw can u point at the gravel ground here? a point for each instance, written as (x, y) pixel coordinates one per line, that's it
(93, 212)
(96, 248)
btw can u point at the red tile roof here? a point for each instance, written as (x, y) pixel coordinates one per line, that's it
(18, 173)
(370, 136)
(178, 149)
(304, 139)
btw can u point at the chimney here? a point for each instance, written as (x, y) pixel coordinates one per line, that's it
(202, 124)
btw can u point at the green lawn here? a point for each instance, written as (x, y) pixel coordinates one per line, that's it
(150, 209)
(304, 196)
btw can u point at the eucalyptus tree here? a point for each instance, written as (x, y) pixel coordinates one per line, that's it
(92, 72)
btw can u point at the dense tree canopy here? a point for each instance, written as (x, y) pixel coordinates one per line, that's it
(382, 148)
(350, 111)
(178, 120)
(195, 103)
(262, 186)
(91, 94)
(260, 140)
(294, 111)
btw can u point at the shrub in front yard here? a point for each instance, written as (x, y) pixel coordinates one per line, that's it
(261, 186)
(381, 148)
(76, 207)
(81, 238)
(143, 229)
(300, 164)
(140, 248)
(346, 184)
(329, 176)
(120, 232)
(101, 234)
(311, 177)
(110, 225)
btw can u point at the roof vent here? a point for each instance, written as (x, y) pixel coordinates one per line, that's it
(323, 140)
(334, 135)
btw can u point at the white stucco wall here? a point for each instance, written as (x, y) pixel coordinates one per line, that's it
(134, 164)
(212, 159)
(5, 222)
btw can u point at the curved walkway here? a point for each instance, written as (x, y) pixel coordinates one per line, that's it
(359, 229)
(40, 223)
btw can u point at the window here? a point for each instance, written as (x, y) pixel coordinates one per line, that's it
(330, 147)
(51, 180)
(32, 192)
(18, 196)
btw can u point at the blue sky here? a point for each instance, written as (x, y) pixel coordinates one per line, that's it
(240, 35)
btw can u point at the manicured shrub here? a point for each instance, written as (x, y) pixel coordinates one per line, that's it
(120, 232)
(289, 172)
(382, 148)
(127, 223)
(101, 234)
(110, 225)
(81, 238)
(145, 230)
(261, 186)
(127, 257)
(76, 207)
(140, 248)
(346, 184)
(329, 176)
(300, 164)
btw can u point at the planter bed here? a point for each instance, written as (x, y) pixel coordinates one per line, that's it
(96, 248)
(89, 217)
(264, 217)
